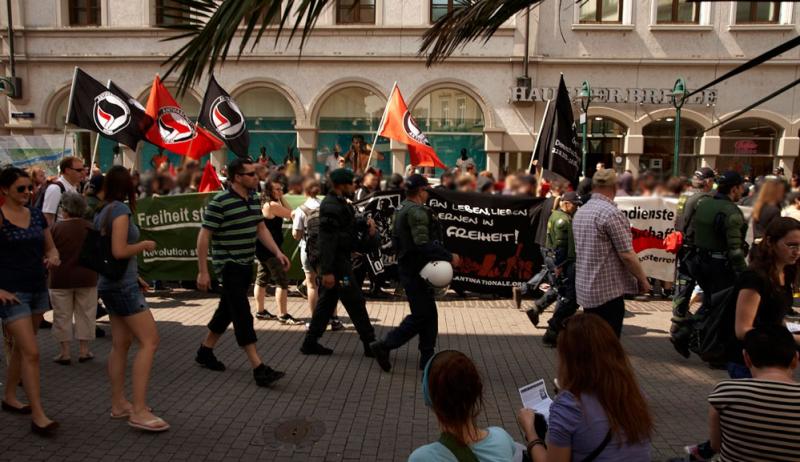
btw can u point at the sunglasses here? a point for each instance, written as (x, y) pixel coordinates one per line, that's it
(21, 189)
(76, 169)
(250, 174)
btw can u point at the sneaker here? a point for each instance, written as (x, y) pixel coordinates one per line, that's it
(265, 316)
(336, 325)
(381, 355)
(266, 376)
(533, 315)
(302, 288)
(516, 296)
(205, 357)
(550, 338)
(315, 348)
(289, 320)
(700, 452)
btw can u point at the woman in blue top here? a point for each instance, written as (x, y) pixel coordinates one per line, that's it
(600, 413)
(26, 250)
(452, 387)
(127, 308)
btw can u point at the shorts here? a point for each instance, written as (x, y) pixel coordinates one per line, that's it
(304, 261)
(271, 269)
(125, 301)
(30, 303)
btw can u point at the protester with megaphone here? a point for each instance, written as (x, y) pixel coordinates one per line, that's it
(424, 265)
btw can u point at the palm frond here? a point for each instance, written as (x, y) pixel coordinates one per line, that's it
(474, 20)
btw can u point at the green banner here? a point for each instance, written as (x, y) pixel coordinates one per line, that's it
(173, 222)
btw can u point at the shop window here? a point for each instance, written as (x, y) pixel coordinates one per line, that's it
(348, 120)
(270, 119)
(748, 146)
(605, 141)
(355, 12)
(601, 11)
(659, 146)
(169, 13)
(678, 12)
(449, 133)
(84, 12)
(758, 12)
(439, 8)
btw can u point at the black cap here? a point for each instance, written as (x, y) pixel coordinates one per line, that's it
(730, 178)
(416, 181)
(704, 173)
(342, 176)
(572, 197)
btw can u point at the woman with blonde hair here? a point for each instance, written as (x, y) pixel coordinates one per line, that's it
(768, 205)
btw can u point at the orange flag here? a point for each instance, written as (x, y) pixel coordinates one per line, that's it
(399, 125)
(210, 181)
(173, 130)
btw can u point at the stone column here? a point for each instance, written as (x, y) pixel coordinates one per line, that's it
(130, 158)
(493, 144)
(219, 158)
(709, 149)
(399, 154)
(307, 145)
(787, 153)
(633, 148)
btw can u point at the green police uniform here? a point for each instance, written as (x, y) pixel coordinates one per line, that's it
(559, 237)
(719, 230)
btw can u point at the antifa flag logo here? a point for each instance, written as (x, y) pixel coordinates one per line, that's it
(412, 129)
(227, 118)
(174, 126)
(111, 114)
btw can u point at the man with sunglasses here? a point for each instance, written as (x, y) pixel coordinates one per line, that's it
(72, 174)
(231, 225)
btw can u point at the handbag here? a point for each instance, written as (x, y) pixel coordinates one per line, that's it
(96, 252)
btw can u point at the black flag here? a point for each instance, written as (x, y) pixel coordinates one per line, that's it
(106, 111)
(557, 148)
(222, 116)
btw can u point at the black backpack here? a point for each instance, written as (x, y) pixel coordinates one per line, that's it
(38, 201)
(714, 331)
(311, 234)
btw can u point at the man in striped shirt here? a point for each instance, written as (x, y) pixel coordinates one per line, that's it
(231, 224)
(758, 419)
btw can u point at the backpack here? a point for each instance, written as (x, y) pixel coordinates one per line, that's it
(38, 201)
(96, 253)
(714, 330)
(311, 234)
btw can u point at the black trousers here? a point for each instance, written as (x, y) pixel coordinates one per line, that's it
(713, 275)
(567, 303)
(613, 311)
(233, 304)
(684, 283)
(353, 301)
(423, 320)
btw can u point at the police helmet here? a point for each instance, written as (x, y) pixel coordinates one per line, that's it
(437, 273)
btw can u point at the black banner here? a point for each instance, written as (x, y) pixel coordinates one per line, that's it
(105, 111)
(220, 114)
(492, 234)
(557, 148)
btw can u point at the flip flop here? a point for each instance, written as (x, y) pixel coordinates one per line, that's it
(126, 414)
(83, 359)
(149, 425)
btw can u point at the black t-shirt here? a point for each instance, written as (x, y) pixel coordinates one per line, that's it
(22, 255)
(275, 227)
(774, 303)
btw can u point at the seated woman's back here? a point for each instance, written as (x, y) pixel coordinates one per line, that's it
(497, 446)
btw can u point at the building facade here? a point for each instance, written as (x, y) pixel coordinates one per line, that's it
(630, 52)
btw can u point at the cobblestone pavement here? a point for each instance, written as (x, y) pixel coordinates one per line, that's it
(343, 406)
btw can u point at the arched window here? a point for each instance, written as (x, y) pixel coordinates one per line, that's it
(348, 120)
(606, 141)
(659, 146)
(748, 146)
(190, 105)
(270, 120)
(452, 121)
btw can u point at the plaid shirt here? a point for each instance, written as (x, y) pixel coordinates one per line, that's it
(601, 233)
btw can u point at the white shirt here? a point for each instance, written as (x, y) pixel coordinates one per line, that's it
(52, 198)
(332, 162)
(298, 220)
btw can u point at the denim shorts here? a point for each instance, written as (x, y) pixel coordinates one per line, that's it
(307, 268)
(125, 301)
(30, 303)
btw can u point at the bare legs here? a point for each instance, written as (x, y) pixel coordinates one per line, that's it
(24, 364)
(281, 299)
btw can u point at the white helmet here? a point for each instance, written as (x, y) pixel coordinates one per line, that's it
(437, 273)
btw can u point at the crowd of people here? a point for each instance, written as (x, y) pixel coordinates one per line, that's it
(599, 413)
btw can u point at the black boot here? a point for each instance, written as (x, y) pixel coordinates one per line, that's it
(314, 348)
(205, 357)
(381, 355)
(424, 357)
(265, 375)
(367, 350)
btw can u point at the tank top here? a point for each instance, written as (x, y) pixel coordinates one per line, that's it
(275, 227)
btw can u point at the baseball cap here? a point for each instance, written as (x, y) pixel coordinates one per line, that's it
(704, 173)
(416, 181)
(730, 178)
(342, 176)
(605, 177)
(572, 197)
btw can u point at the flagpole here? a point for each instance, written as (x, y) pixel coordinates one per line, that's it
(380, 127)
(539, 135)
(69, 108)
(94, 151)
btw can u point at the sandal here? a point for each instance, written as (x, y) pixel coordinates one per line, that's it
(150, 425)
(88, 357)
(126, 413)
(63, 361)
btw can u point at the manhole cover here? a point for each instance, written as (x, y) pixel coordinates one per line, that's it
(298, 431)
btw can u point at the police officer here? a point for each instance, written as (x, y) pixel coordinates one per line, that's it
(560, 251)
(685, 281)
(417, 238)
(339, 235)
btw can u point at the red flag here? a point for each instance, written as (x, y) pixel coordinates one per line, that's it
(399, 125)
(173, 130)
(210, 181)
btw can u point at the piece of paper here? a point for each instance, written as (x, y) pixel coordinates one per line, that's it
(794, 327)
(534, 396)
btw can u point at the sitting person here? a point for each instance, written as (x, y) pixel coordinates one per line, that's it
(600, 413)
(759, 418)
(452, 387)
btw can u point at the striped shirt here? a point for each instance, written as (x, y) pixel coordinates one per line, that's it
(759, 420)
(233, 222)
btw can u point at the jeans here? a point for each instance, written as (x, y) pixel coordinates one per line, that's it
(233, 304)
(353, 301)
(613, 311)
(567, 303)
(423, 320)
